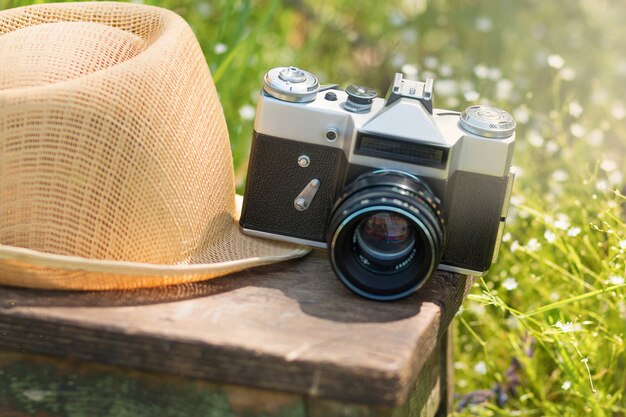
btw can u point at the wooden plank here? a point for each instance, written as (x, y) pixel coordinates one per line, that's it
(34, 385)
(289, 326)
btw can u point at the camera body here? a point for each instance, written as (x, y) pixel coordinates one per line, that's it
(383, 184)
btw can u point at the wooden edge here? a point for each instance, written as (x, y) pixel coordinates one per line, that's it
(423, 400)
(213, 363)
(433, 338)
(447, 374)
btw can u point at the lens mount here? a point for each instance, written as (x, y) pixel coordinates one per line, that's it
(386, 235)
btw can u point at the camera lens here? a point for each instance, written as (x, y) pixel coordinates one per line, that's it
(386, 235)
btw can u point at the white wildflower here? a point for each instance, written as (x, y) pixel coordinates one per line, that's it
(204, 9)
(622, 244)
(567, 327)
(608, 165)
(247, 112)
(615, 178)
(397, 60)
(220, 48)
(512, 322)
(409, 70)
(480, 368)
(566, 385)
(551, 147)
(556, 61)
(535, 139)
(602, 185)
(431, 62)
(615, 280)
(577, 130)
(533, 245)
(560, 176)
(481, 71)
(483, 24)
(567, 74)
(522, 114)
(515, 246)
(471, 95)
(562, 222)
(445, 71)
(506, 237)
(396, 18)
(573, 231)
(504, 89)
(595, 137)
(618, 111)
(509, 284)
(550, 236)
(554, 296)
(575, 109)
(494, 74)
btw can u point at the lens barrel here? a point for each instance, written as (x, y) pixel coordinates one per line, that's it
(386, 235)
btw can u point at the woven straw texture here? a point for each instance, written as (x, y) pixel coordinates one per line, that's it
(115, 163)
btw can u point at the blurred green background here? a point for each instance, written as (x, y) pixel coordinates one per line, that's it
(543, 332)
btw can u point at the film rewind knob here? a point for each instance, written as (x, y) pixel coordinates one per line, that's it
(487, 121)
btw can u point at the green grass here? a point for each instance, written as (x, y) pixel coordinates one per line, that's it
(554, 304)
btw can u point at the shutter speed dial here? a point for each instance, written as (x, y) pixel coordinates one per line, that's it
(360, 98)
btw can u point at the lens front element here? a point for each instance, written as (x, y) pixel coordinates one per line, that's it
(383, 242)
(386, 235)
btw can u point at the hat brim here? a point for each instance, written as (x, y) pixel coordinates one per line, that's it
(233, 252)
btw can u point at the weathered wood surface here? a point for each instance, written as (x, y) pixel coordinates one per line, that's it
(34, 385)
(289, 327)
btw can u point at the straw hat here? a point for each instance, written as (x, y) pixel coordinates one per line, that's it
(115, 164)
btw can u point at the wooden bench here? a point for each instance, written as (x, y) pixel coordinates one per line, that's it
(282, 340)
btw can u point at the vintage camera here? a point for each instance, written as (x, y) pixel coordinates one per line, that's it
(393, 187)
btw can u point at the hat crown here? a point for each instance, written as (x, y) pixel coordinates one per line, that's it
(113, 143)
(61, 51)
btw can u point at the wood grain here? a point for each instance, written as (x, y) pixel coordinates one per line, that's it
(290, 327)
